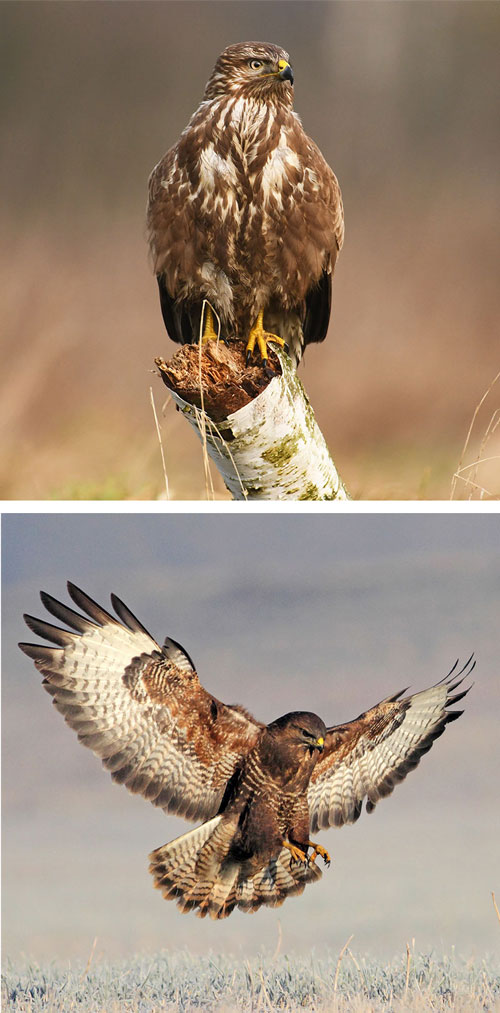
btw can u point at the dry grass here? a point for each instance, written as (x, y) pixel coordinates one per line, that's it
(412, 983)
(158, 430)
(469, 473)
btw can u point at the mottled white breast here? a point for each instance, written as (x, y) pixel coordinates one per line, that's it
(215, 169)
(275, 172)
(251, 123)
(218, 183)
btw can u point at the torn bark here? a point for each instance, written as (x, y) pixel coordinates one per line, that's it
(259, 431)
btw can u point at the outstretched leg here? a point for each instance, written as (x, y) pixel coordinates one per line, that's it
(318, 850)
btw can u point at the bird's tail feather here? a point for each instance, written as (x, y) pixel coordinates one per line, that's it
(198, 871)
(194, 869)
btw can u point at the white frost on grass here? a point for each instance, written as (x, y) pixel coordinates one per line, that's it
(186, 982)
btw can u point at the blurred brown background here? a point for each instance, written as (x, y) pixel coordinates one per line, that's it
(402, 99)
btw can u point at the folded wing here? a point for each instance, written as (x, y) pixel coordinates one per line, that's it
(367, 757)
(140, 707)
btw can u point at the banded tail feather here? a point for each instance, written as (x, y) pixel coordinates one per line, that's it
(199, 871)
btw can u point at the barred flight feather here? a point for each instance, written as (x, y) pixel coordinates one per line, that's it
(160, 743)
(365, 759)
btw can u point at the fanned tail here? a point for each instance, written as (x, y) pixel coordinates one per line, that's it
(198, 871)
(195, 870)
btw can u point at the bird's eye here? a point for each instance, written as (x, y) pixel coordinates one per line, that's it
(255, 64)
(306, 734)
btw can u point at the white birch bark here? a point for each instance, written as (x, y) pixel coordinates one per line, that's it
(272, 448)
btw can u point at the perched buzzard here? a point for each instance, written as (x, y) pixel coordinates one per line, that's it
(260, 790)
(245, 213)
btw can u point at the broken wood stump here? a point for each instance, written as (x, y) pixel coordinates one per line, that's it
(259, 430)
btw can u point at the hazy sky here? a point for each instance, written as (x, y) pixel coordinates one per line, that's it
(328, 613)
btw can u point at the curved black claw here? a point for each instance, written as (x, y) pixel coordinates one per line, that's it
(318, 850)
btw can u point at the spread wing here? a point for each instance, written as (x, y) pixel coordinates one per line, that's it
(140, 707)
(367, 757)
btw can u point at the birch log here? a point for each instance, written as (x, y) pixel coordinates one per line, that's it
(260, 432)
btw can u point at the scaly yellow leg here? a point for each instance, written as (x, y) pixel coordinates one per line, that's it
(318, 850)
(297, 854)
(209, 332)
(258, 336)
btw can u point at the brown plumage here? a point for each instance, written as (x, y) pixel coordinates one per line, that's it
(260, 790)
(244, 211)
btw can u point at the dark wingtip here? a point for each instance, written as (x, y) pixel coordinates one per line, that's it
(453, 715)
(33, 651)
(458, 696)
(453, 676)
(127, 617)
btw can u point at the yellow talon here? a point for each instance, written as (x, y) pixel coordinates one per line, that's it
(209, 332)
(318, 850)
(297, 854)
(258, 336)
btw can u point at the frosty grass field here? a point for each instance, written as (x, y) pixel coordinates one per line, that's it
(344, 982)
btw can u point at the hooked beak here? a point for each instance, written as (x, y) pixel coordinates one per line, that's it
(285, 71)
(320, 743)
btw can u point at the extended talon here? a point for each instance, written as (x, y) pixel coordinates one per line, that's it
(318, 850)
(258, 336)
(297, 854)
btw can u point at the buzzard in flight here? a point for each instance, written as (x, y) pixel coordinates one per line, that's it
(259, 790)
(245, 213)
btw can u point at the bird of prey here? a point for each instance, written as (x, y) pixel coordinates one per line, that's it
(260, 790)
(245, 216)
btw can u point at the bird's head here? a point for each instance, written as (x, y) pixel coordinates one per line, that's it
(254, 70)
(299, 736)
